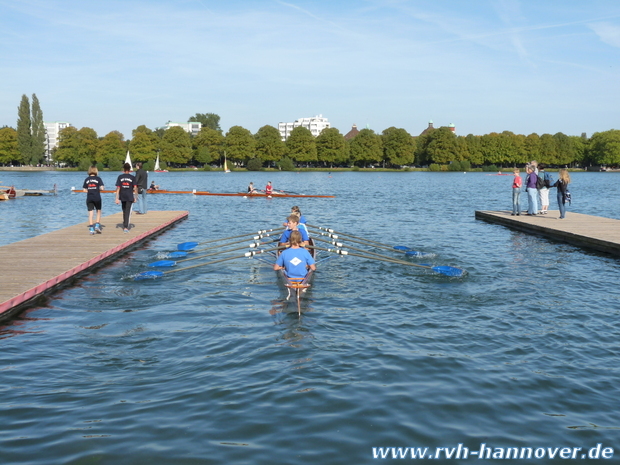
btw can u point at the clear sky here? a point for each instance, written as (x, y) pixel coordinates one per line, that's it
(541, 66)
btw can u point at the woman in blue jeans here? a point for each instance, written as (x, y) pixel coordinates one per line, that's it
(532, 192)
(562, 185)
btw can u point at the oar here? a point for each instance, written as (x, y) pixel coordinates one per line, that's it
(446, 270)
(191, 245)
(168, 263)
(399, 248)
(159, 274)
(289, 192)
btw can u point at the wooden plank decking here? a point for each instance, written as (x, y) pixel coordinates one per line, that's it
(593, 232)
(43, 263)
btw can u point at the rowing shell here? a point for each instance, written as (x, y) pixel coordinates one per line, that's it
(236, 194)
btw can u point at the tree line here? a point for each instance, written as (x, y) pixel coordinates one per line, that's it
(394, 147)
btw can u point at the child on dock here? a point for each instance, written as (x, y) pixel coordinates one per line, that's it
(517, 183)
(92, 186)
(563, 194)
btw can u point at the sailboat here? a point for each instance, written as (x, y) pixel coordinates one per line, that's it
(157, 167)
(226, 170)
(128, 160)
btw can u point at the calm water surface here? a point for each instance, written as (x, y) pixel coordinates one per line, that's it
(213, 366)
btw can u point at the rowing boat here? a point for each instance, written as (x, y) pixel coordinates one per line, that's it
(7, 192)
(223, 194)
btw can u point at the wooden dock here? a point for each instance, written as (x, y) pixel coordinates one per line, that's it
(37, 266)
(592, 232)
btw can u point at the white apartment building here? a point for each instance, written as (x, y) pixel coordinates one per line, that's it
(314, 124)
(52, 129)
(193, 127)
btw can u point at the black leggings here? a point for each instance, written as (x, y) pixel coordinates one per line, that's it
(126, 204)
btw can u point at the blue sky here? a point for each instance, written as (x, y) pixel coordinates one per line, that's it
(542, 66)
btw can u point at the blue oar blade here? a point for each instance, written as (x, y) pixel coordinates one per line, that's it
(162, 263)
(177, 254)
(187, 246)
(149, 275)
(448, 270)
(401, 247)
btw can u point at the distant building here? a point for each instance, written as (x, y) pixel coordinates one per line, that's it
(52, 130)
(352, 133)
(314, 124)
(193, 127)
(431, 127)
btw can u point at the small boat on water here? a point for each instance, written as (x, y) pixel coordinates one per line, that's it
(7, 192)
(128, 160)
(226, 170)
(223, 194)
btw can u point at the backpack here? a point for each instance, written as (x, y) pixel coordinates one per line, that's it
(548, 181)
(540, 181)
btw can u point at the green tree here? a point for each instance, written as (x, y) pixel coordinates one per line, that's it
(566, 153)
(331, 147)
(143, 144)
(24, 130)
(366, 148)
(398, 146)
(605, 147)
(176, 146)
(208, 145)
(269, 145)
(474, 149)
(38, 133)
(111, 150)
(301, 145)
(531, 148)
(68, 149)
(580, 145)
(548, 150)
(239, 144)
(442, 147)
(88, 143)
(9, 149)
(208, 120)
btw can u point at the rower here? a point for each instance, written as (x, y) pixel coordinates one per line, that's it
(293, 225)
(268, 188)
(295, 211)
(251, 189)
(295, 260)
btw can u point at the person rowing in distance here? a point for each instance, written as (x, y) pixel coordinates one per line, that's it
(268, 188)
(251, 189)
(295, 260)
(293, 225)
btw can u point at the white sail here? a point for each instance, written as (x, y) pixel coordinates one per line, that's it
(128, 160)
(226, 170)
(157, 168)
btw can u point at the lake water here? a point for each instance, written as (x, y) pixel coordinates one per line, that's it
(211, 365)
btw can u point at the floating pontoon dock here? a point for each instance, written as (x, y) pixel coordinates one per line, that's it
(37, 266)
(592, 232)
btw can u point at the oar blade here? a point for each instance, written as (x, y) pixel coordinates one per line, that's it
(448, 270)
(149, 275)
(187, 246)
(177, 254)
(401, 247)
(162, 263)
(415, 253)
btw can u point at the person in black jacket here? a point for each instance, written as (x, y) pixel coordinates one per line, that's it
(563, 194)
(142, 183)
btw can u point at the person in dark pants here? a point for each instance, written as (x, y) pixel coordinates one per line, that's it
(92, 186)
(142, 183)
(126, 193)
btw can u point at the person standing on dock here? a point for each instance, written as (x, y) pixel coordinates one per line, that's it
(532, 192)
(142, 181)
(92, 186)
(563, 194)
(517, 183)
(126, 193)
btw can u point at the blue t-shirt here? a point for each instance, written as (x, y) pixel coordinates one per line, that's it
(93, 185)
(295, 262)
(287, 234)
(126, 182)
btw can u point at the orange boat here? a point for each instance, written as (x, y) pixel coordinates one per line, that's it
(236, 194)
